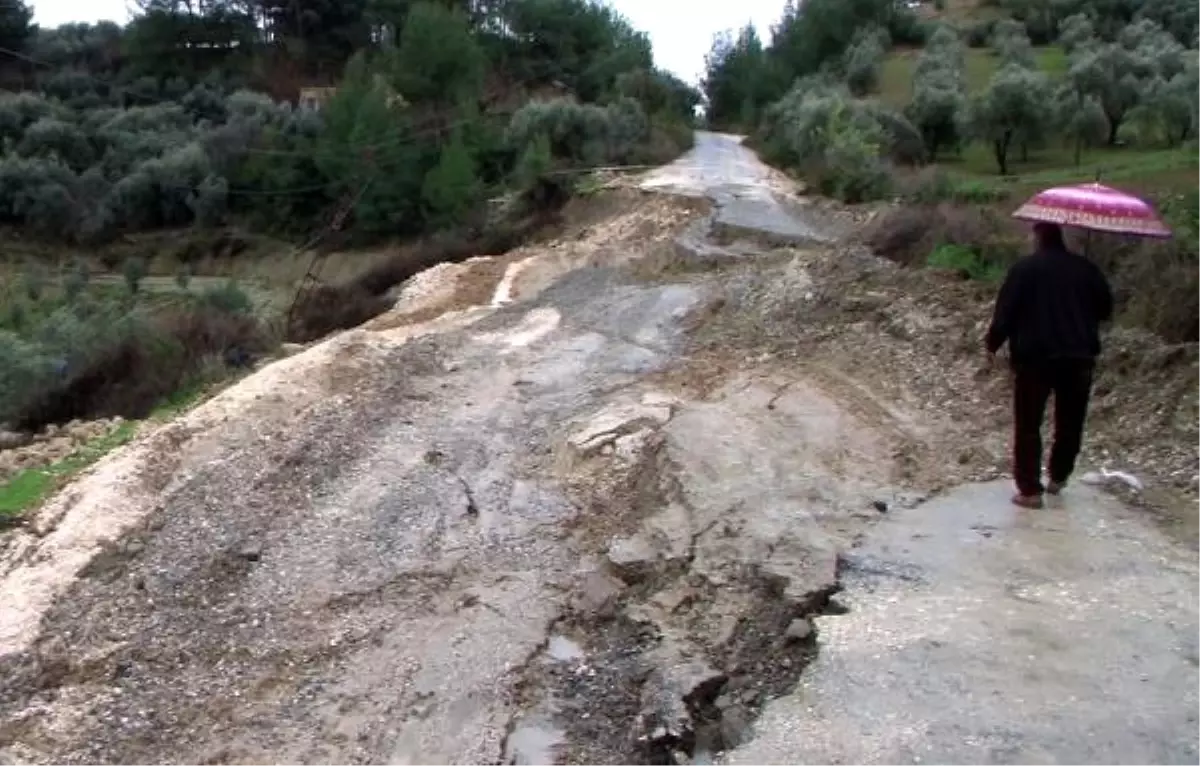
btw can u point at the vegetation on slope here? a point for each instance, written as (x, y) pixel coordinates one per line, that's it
(186, 120)
(975, 104)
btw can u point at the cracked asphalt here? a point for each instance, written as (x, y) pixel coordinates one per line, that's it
(981, 633)
(508, 536)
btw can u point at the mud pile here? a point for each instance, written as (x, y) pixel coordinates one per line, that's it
(916, 336)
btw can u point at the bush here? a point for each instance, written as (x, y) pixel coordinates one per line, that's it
(97, 356)
(935, 185)
(581, 135)
(1155, 282)
(228, 298)
(837, 143)
(25, 370)
(965, 261)
(908, 234)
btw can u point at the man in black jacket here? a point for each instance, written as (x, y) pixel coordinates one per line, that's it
(1049, 311)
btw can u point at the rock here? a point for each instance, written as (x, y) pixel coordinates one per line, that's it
(598, 594)
(735, 726)
(799, 629)
(615, 421)
(290, 349)
(629, 448)
(671, 599)
(695, 680)
(632, 557)
(14, 439)
(880, 505)
(250, 551)
(669, 695)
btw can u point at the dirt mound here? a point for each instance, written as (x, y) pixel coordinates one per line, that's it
(914, 337)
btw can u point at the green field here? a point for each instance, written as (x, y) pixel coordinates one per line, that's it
(1138, 170)
(895, 79)
(1141, 170)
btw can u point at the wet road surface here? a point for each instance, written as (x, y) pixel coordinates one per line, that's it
(751, 199)
(981, 633)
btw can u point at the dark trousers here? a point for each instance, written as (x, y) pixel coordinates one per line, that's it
(1070, 380)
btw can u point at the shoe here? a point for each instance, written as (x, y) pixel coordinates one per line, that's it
(1055, 487)
(1028, 501)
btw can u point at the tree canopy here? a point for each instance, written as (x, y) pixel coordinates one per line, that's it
(187, 116)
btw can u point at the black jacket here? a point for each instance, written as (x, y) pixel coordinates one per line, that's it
(1050, 307)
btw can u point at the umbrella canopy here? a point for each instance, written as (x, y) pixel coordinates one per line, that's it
(1095, 207)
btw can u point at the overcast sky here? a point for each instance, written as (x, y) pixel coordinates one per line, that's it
(681, 30)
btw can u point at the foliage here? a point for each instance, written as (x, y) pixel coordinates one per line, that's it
(1011, 43)
(175, 120)
(863, 58)
(1075, 32)
(736, 86)
(16, 27)
(965, 260)
(836, 142)
(939, 92)
(579, 135)
(438, 59)
(104, 352)
(1079, 119)
(451, 188)
(1011, 108)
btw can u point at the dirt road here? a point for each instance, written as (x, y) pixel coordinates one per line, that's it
(541, 529)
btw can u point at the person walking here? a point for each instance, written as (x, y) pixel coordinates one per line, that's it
(1049, 310)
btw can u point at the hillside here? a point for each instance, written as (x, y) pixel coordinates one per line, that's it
(961, 110)
(650, 490)
(142, 167)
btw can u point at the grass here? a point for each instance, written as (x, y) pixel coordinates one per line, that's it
(896, 75)
(967, 261)
(1137, 170)
(30, 487)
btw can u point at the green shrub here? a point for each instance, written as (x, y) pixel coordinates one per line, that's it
(229, 298)
(965, 261)
(133, 270)
(581, 135)
(24, 371)
(835, 142)
(936, 185)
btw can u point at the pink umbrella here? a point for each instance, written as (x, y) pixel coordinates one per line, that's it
(1094, 207)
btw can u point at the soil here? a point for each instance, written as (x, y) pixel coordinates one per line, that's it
(912, 338)
(591, 514)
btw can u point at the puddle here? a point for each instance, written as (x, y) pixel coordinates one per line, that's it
(564, 649)
(534, 741)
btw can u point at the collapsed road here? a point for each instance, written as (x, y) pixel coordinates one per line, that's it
(516, 532)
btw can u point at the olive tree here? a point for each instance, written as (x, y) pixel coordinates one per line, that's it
(1011, 43)
(1079, 119)
(1012, 107)
(939, 92)
(863, 58)
(1113, 76)
(1168, 108)
(1075, 32)
(840, 143)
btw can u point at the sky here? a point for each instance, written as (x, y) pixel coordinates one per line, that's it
(680, 30)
